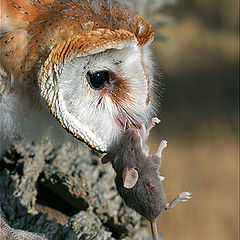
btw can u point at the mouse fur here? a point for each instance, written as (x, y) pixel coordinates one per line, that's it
(147, 196)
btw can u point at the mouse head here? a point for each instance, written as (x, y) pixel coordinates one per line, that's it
(126, 156)
(129, 175)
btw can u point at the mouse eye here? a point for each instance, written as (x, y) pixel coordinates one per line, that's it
(98, 80)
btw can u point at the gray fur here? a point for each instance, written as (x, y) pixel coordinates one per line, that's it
(128, 154)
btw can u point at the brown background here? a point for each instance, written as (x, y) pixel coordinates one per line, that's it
(199, 112)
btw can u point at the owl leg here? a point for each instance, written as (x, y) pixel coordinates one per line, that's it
(182, 197)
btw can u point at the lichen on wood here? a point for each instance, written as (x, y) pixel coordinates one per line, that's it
(62, 193)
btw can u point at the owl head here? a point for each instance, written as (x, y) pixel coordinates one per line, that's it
(98, 84)
(92, 63)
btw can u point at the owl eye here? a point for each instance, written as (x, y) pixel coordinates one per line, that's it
(98, 80)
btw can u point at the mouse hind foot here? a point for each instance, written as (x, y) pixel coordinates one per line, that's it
(182, 197)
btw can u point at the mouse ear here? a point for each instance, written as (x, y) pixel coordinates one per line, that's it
(110, 156)
(130, 177)
(106, 159)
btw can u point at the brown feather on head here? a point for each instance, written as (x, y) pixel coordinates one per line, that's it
(45, 39)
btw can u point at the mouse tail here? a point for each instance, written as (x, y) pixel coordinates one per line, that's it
(154, 230)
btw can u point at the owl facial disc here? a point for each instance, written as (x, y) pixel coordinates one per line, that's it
(96, 86)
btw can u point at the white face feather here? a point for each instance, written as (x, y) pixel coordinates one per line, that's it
(100, 116)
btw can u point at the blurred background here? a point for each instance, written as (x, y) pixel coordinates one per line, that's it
(196, 53)
(197, 60)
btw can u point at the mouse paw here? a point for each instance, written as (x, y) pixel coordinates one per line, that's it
(153, 122)
(162, 178)
(182, 197)
(161, 147)
(146, 129)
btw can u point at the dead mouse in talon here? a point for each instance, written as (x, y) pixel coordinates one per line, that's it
(137, 175)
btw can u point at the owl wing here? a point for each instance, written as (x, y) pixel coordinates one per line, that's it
(17, 14)
(15, 18)
(30, 29)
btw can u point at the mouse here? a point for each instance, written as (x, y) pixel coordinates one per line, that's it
(137, 178)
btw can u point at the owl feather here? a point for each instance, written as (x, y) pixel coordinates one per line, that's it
(52, 51)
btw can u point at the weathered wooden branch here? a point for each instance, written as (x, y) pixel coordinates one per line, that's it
(71, 185)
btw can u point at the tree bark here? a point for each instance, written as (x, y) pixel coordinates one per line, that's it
(62, 193)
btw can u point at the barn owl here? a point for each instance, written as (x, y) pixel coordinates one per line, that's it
(80, 65)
